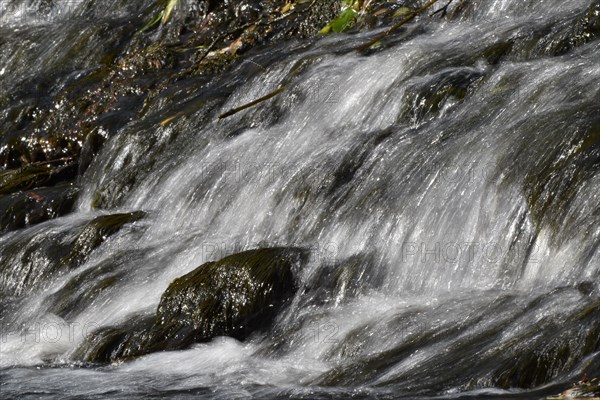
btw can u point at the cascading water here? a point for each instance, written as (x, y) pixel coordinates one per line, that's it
(456, 171)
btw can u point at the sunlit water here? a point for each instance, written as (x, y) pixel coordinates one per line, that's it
(462, 277)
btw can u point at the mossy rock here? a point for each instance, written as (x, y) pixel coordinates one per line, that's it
(22, 209)
(42, 257)
(36, 175)
(110, 344)
(235, 296)
(95, 232)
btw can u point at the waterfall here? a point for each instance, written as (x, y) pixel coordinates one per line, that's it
(456, 171)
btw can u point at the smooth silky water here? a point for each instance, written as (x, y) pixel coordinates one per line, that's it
(470, 274)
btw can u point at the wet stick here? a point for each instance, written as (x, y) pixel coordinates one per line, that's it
(443, 10)
(395, 27)
(252, 103)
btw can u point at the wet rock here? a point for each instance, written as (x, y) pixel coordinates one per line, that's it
(81, 291)
(584, 389)
(22, 209)
(29, 259)
(100, 283)
(111, 344)
(40, 256)
(235, 296)
(429, 97)
(51, 113)
(496, 52)
(585, 29)
(531, 357)
(586, 288)
(382, 12)
(558, 350)
(340, 282)
(91, 146)
(122, 75)
(37, 175)
(558, 176)
(94, 233)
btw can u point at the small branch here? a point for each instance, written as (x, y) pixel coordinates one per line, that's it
(443, 10)
(209, 49)
(252, 103)
(395, 27)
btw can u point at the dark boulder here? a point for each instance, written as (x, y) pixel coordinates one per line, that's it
(22, 209)
(37, 175)
(235, 296)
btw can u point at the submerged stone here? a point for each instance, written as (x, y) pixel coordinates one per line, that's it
(344, 280)
(95, 232)
(533, 356)
(41, 256)
(559, 174)
(429, 97)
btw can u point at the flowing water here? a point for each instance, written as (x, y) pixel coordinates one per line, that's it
(457, 167)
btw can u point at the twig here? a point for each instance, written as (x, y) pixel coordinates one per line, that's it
(395, 27)
(252, 103)
(443, 10)
(259, 21)
(210, 48)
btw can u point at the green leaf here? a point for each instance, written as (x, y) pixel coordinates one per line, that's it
(342, 22)
(151, 23)
(326, 29)
(402, 11)
(168, 11)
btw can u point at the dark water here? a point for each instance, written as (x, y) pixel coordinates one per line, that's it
(458, 166)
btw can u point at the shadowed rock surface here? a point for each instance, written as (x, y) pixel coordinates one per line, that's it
(235, 296)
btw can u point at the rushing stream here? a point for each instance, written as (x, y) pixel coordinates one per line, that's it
(457, 170)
